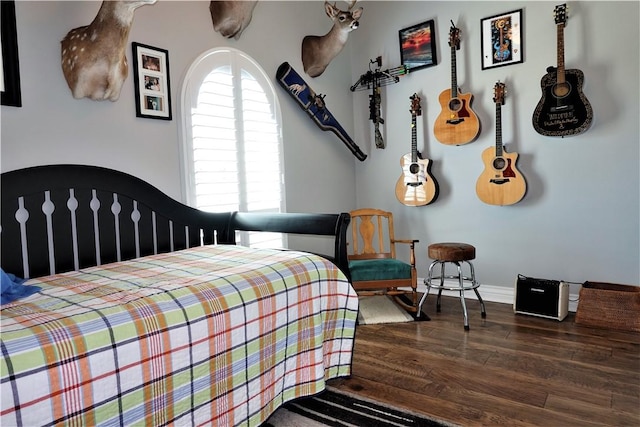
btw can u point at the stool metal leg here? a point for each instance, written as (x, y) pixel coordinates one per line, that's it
(441, 287)
(483, 311)
(462, 302)
(461, 288)
(426, 294)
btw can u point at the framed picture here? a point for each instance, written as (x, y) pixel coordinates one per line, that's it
(151, 79)
(10, 76)
(418, 46)
(501, 39)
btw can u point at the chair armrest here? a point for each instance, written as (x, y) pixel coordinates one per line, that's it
(412, 253)
(406, 241)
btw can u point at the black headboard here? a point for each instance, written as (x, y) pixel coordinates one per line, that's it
(58, 218)
(80, 216)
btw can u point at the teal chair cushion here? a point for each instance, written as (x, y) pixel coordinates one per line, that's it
(378, 269)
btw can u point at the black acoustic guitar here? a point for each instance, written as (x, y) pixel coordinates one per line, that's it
(563, 109)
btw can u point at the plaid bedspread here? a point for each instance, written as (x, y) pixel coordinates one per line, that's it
(216, 335)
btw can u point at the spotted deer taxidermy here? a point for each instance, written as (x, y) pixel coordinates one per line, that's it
(231, 18)
(93, 57)
(319, 51)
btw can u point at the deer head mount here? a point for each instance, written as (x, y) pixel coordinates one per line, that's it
(319, 51)
(230, 18)
(93, 57)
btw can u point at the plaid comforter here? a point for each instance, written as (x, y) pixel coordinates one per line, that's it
(215, 335)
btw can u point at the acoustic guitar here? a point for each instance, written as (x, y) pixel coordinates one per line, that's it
(457, 123)
(563, 109)
(500, 183)
(416, 186)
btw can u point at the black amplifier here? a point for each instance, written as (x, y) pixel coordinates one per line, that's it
(541, 297)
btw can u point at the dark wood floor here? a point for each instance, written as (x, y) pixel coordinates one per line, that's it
(508, 370)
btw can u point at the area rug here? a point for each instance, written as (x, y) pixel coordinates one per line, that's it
(332, 408)
(377, 309)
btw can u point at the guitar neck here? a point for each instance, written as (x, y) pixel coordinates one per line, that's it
(454, 78)
(498, 130)
(560, 37)
(414, 140)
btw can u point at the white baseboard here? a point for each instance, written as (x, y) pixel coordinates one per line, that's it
(492, 293)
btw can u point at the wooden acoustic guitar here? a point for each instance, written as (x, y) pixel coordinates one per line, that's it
(457, 123)
(500, 183)
(563, 109)
(416, 186)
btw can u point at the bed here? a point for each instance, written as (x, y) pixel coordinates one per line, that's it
(150, 314)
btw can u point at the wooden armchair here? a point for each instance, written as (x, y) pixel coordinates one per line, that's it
(372, 259)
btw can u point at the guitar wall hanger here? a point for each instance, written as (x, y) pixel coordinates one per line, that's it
(374, 79)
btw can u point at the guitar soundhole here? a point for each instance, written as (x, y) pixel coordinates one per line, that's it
(455, 104)
(561, 90)
(499, 163)
(414, 168)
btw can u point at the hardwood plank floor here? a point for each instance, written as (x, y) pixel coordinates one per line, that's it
(508, 370)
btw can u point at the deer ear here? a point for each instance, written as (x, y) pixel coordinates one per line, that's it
(331, 10)
(357, 13)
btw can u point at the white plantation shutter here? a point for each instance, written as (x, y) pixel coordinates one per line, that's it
(233, 145)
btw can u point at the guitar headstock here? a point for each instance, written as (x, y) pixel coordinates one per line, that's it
(454, 36)
(415, 105)
(560, 14)
(499, 93)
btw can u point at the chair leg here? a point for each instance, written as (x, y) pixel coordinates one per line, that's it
(414, 296)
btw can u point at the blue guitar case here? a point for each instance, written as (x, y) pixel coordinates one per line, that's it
(313, 104)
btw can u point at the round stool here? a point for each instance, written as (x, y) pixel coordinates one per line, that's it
(457, 254)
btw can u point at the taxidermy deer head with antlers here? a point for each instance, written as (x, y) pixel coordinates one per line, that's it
(319, 51)
(230, 18)
(93, 57)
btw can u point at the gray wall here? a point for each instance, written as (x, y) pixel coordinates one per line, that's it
(579, 220)
(52, 127)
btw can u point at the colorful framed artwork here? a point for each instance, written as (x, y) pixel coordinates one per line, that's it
(151, 79)
(501, 39)
(418, 46)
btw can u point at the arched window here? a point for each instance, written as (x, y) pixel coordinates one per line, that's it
(232, 140)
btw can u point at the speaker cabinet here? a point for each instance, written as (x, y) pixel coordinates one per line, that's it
(540, 297)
